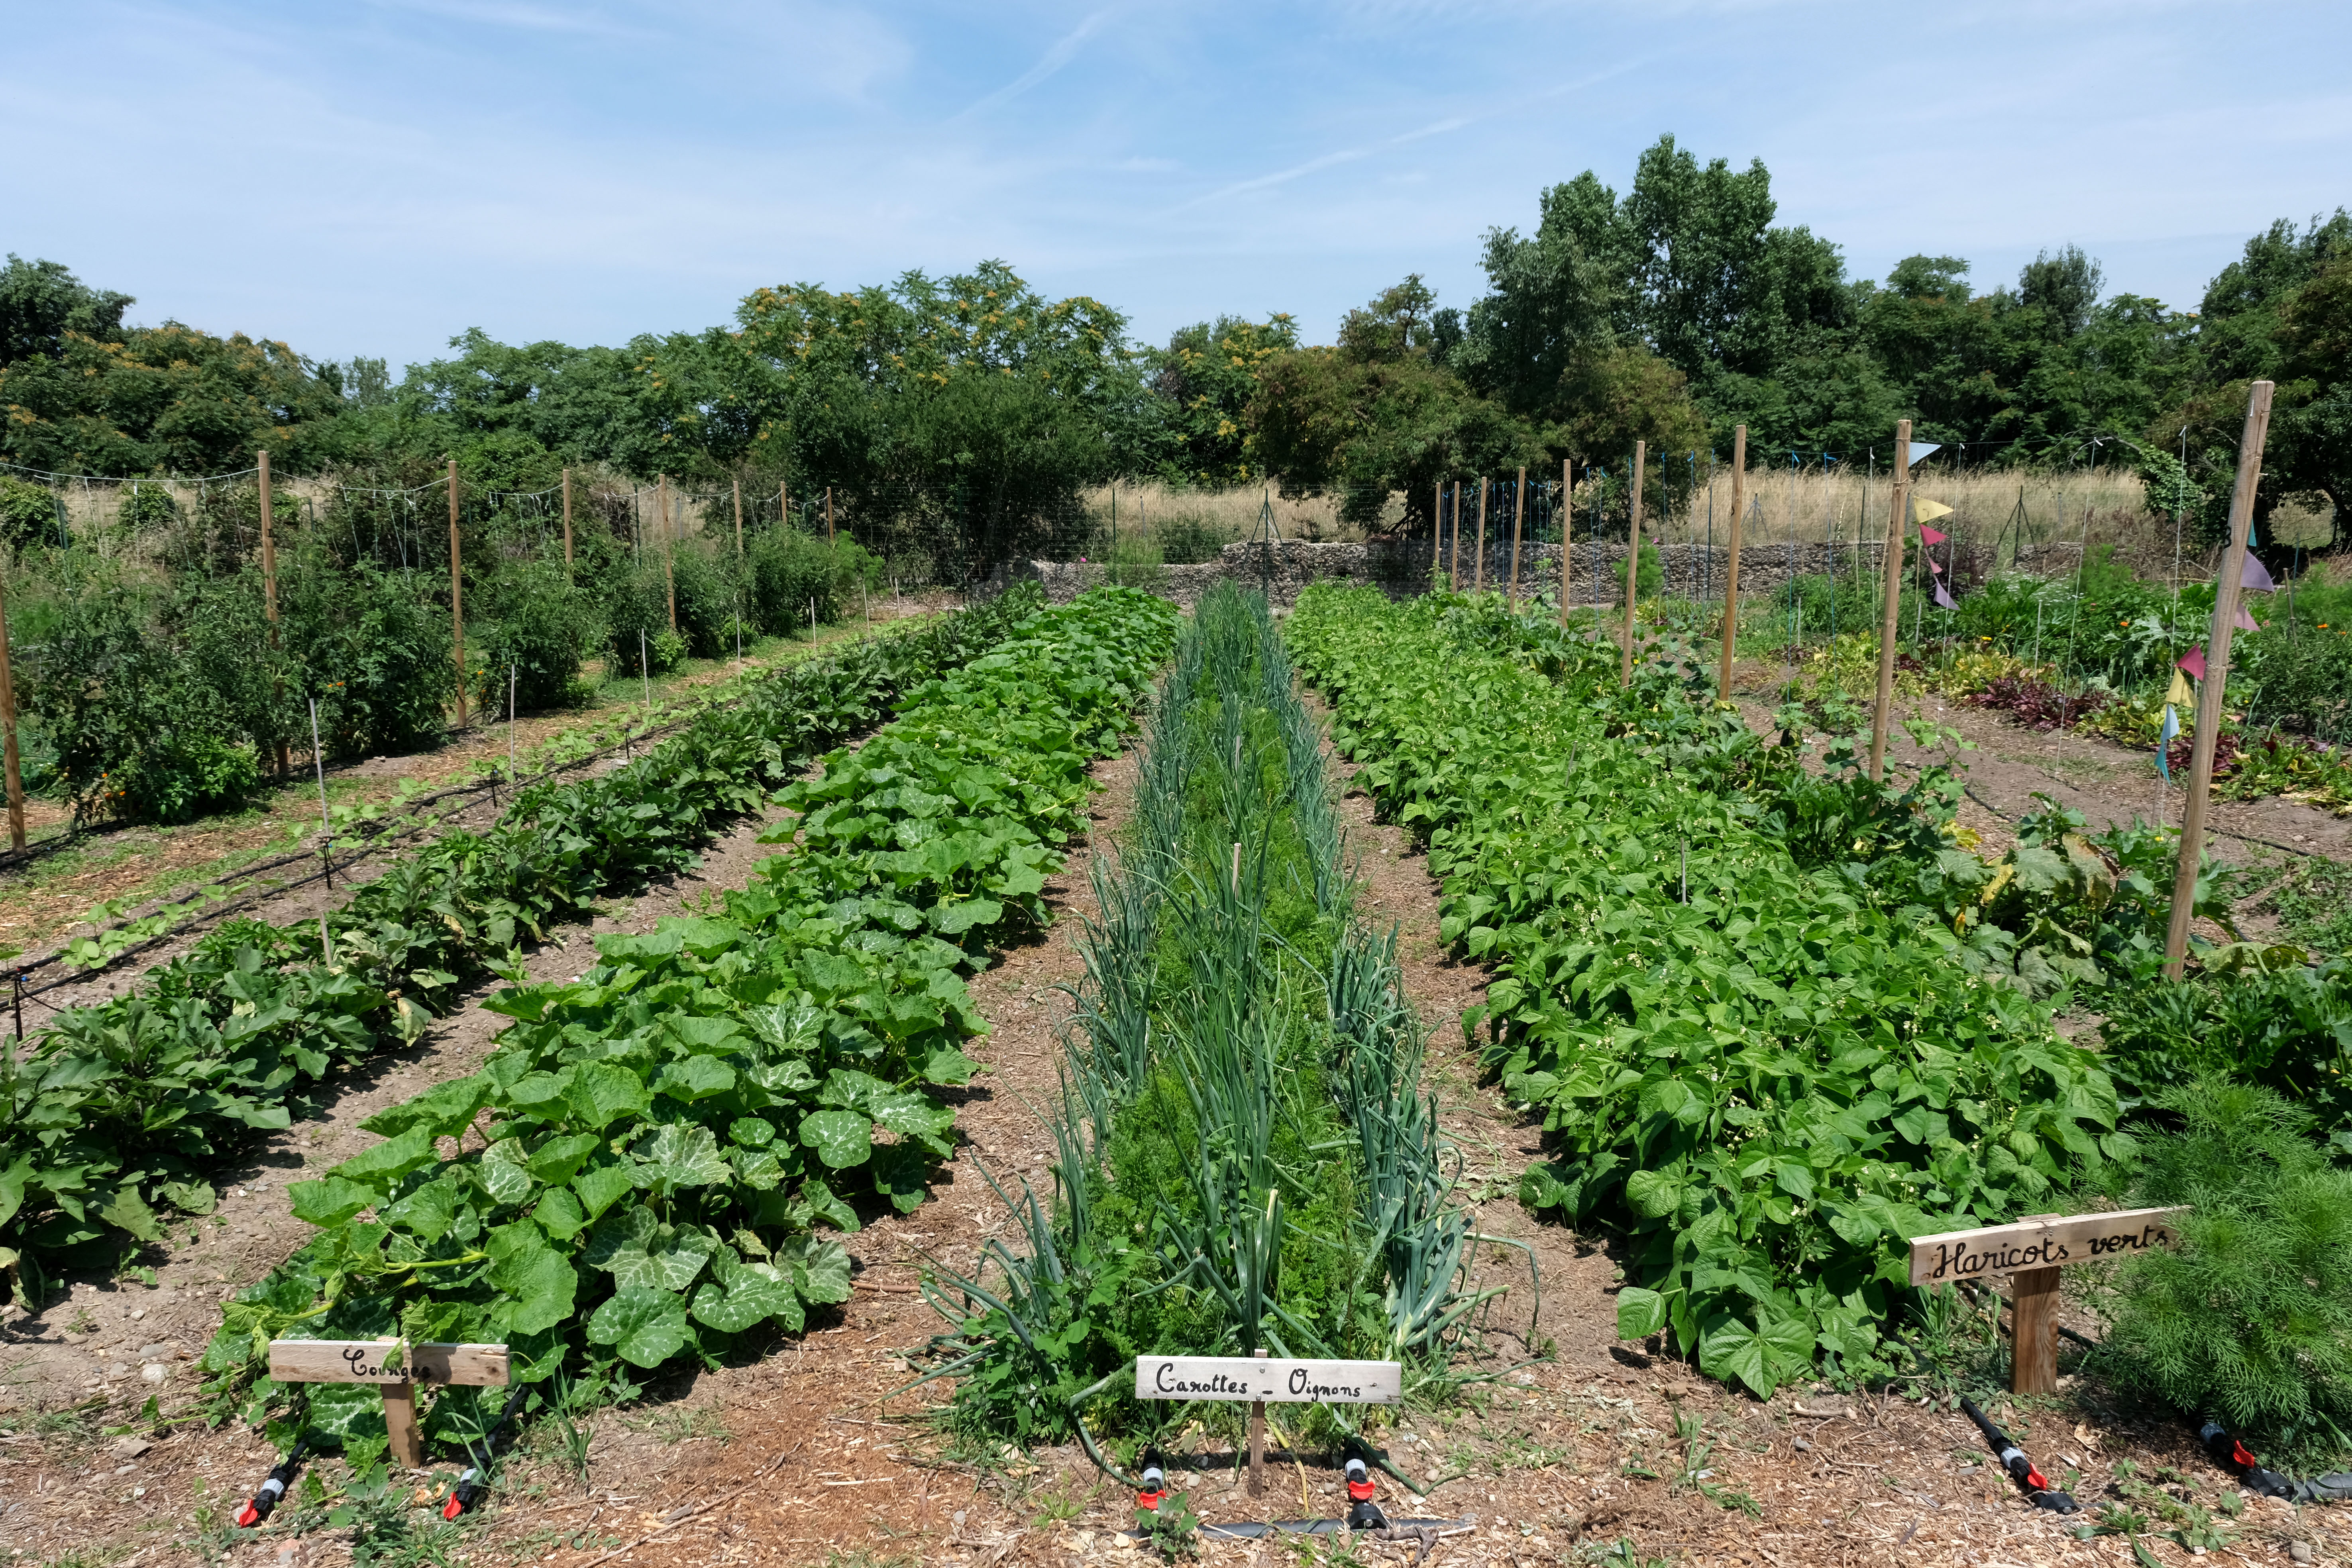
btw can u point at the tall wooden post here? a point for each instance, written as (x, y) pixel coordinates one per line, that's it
(1454, 571)
(1567, 528)
(670, 548)
(1519, 523)
(1632, 564)
(9, 727)
(738, 520)
(1891, 614)
(2210, 689)
(457, 595)
(1731, 570)
(1478, 572)
(270, 584)
(828, 514)
(783, 504)
(1437, 528)
(567, 517)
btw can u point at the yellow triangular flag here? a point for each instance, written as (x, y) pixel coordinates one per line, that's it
(2177, 694)
(1925, 510)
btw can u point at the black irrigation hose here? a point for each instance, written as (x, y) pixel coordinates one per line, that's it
(2232, 1457)
(2036, 1487)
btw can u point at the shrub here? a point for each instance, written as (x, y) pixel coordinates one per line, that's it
(707, 596)
(28, 513)
(139, 730)
(637, 616)
(789, 569)
(2250, 1322)
(545, 627)
(146, 507)
(375, 654)
(1187, 539)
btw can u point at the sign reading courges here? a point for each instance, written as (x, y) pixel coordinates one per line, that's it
(1285, 1381)
(2038, 1244)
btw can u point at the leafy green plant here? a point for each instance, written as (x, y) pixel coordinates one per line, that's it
(543, 629)
(2260, 1015)
(2250, 1320)
(1172, 1529)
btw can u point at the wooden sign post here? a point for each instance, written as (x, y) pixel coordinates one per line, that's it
(1731, 566)
(1265, 1380)
(2031, 1252)
(396, 1367)
(1632, 564)
(2210, 689)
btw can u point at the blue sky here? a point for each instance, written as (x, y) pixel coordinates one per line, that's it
(372, 178)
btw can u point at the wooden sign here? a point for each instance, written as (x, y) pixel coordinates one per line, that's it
(2037, 1243)
(1268, 1381)
(396, 1367)
(2031, 1252)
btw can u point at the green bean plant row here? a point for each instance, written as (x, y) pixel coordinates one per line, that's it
(112, 1119)
(637, 1172)
(1248, 1157)
(1772, 1025)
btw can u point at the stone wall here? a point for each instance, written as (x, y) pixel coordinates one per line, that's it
(1400, 568)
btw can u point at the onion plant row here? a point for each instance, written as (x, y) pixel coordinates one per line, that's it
(638, 1172)
(112, 1119)
(1764, 1016)
(1247, 1155)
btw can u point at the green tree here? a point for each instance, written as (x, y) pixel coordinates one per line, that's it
(41, 302)
(1205, 378)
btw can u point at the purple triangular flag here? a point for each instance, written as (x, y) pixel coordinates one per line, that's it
(2247, 622)
(2256, 577)
(1943, 600)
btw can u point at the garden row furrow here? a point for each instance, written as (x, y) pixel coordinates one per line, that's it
(117, 1110)
(644, 1160)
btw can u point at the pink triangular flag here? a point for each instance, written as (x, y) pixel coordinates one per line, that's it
(2247, 622)
(1943, 600)
(1935, 565)
(2256, 577)
(1930, 536)
(2193, 661)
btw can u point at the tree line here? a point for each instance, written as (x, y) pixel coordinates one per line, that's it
(1668, 313)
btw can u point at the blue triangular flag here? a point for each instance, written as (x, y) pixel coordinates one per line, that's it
(2164, 742)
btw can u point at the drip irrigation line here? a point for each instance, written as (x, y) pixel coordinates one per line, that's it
(2223, 832)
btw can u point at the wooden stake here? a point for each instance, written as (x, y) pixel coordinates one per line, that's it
(670, 553)
(1454, 570)
(2210, 689)
(783, 504)
(738, 520)
(1257, 1436)
(1519, 523)
(2033, 1327)
(269, 590)
(1891, 612)
(400, 1424)
(1731, 569)
(1478, 576)
(1632, 564)
(1437, 528)
(457, 595)
(8, 729)
(828, 514)
(567, 517)
(1567, 528)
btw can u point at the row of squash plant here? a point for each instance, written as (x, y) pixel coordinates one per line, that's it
(637, 1172)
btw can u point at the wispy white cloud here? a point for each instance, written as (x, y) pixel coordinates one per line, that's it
(1065, 50)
